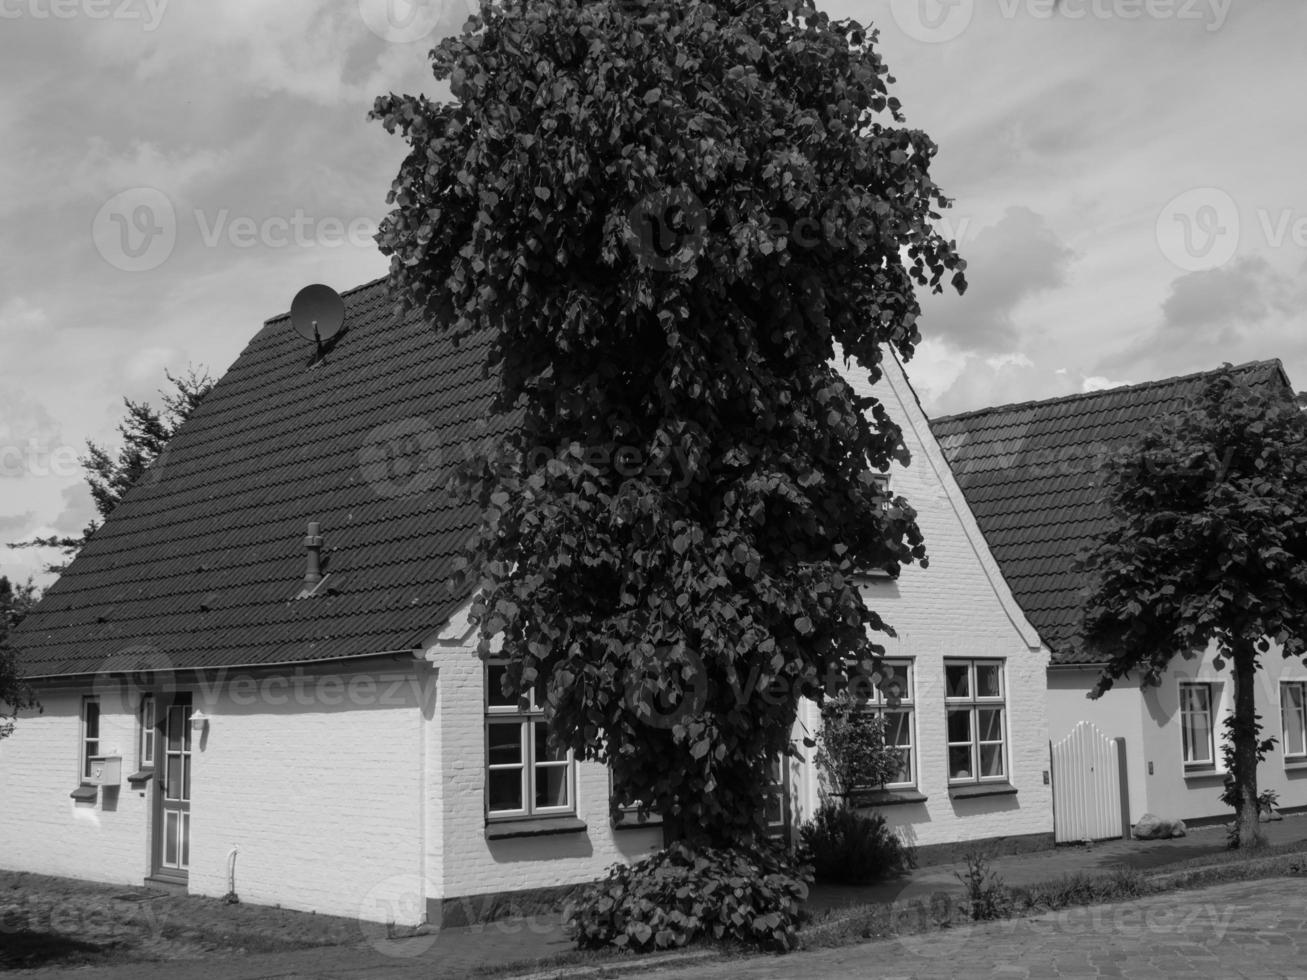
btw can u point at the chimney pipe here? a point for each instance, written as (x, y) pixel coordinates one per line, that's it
(313, 545)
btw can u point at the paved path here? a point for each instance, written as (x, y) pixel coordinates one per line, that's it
(1253, 930)
(1040, 866)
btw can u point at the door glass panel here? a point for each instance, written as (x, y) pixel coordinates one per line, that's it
(173, 786)
(186, 840)
(186, 777)
(171, 823)
(176, 715)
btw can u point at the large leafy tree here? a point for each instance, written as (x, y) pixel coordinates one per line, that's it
(666, 221)
(14, 693)
(1208, 546)
(145, 431)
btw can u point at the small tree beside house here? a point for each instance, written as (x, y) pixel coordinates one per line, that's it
(1207, 546)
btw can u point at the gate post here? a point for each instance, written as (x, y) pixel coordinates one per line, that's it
(1125, 788)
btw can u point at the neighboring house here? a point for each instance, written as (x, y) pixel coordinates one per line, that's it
(1031, 475)
(233, 706)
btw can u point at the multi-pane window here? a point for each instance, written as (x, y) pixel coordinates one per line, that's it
(894, 701)
(1196, 728)
(146, 755)
(1293, 711)
(524, 777)
(976, 720)
(90, 732)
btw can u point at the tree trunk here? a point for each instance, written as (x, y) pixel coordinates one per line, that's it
(1245, 748)
(673, 829)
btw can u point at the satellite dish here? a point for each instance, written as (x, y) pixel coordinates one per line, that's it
(317, 313)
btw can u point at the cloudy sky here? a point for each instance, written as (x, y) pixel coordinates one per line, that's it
(1128, 178)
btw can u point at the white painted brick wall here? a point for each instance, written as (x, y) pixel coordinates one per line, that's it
(319, 787)
(41, 829)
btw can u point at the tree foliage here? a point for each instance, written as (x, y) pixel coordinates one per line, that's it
(667, 220)
(145, 432)
(851, 747)
(15, 695)
(1207, 546)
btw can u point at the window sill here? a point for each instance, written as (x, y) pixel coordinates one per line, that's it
(141, 777)
(1295, 765)
(534, 827)
(85, 793)
(633, 821)
(970, 790)
(1204, 773)
(885, 797)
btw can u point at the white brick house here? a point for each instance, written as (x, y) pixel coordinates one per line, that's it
(215, 720)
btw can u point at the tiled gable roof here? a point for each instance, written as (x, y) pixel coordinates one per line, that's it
(1030, 474)
(200, 564)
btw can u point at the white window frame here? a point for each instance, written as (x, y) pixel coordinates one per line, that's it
(1299, 755)
(146, 745)
(1210, 690)
(974, 704)
(527, 717)
(879, 704)
(89, 745)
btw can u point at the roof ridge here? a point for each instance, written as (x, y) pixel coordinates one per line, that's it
(1116, 389)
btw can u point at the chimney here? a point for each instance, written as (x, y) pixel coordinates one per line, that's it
(313, 545)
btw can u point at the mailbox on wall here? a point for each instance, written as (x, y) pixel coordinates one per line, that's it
(106, 770)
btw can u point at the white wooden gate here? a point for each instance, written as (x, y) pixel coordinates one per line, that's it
(1090, 799)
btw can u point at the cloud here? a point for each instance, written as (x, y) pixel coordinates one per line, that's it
(1247, 310)
(14, 525)
(79, 510)
(1007, 263)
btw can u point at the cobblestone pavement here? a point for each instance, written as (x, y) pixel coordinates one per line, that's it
(1245, 931)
